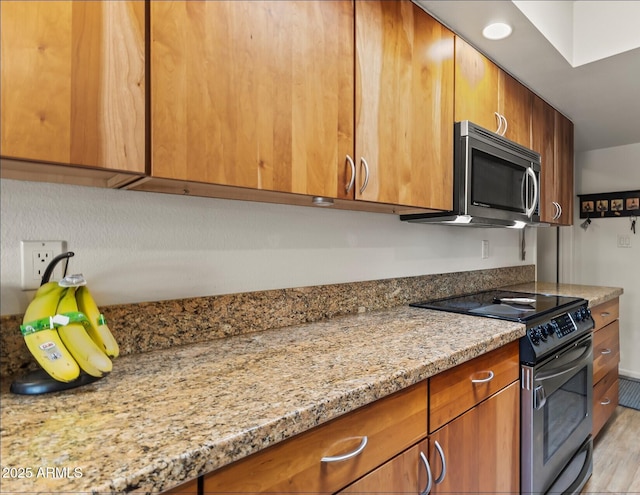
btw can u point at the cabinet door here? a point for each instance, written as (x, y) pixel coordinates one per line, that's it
(253, 94)
(564, 167)
(401, 475)
(477, 83)
(73, 83)
(516, 108)
(481, 447)
(543, 141)
(404, 106)
(552, 137)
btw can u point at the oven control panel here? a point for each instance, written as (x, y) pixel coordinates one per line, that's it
(546, 336)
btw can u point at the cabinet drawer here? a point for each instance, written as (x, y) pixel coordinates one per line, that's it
(454, 391)
(605, 313)
(606, 350)
(391, 425)
(605, 400)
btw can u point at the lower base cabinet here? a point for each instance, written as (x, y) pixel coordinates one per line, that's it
(481, 448)
(606, 357)
(406, 473)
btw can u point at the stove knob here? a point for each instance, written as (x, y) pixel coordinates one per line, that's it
(536, 335)
(542, 332)
(586, 313)
(548, 329)
(578, 315)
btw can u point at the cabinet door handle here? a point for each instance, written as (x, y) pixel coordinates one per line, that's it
(499, 117)
(605, 402)
(348, 455)
(353, 173)
(559, 210)
(484, 380)
(366, 174)
(605, 314)
(556, 215)
(425, 463)
(605, 351)
(506, 124)
(443, 473)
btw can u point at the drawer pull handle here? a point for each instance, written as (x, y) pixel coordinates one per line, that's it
(483, 380)
(605, 402)
(605, 351)
(443, 473)
(605, 314)
(425, 462)
(348, 455)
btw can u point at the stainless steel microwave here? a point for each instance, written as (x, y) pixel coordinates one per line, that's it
(496, 182)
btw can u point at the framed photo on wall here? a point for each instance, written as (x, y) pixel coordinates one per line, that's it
(613, 204)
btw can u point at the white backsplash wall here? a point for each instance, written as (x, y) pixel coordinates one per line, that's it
(596, 258)
(136, 246)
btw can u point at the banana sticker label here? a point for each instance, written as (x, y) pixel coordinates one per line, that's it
(51, 351)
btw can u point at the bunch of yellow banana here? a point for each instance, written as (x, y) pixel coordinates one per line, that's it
(81, 341)
(42, 338)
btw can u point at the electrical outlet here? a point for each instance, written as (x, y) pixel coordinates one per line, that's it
(35, 257)
(485, 250)
(624, 241)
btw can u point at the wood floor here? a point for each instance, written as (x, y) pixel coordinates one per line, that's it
(616, 457)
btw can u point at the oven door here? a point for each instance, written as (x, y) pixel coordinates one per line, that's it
(558, 413)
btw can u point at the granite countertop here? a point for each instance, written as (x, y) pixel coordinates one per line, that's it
(596, 295)
(164, 417)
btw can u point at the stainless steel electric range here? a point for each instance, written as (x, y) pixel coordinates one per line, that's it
(556, 362)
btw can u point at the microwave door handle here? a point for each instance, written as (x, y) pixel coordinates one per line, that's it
(534, 179)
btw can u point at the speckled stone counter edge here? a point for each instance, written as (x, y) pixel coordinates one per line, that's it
(151, 326)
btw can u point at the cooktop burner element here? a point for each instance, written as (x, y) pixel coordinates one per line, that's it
(504, 305)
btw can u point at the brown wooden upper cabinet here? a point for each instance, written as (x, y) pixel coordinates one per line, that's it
(552, 137)
(264, 95)
(404, 106)
(73, 83)
(253, 94)
(489, 97)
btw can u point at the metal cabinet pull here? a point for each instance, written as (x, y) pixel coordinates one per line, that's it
(443, 473)
(366, 174)
(504, 131)
(605, 314)
(605, 351)
(484, 380)
(425, 463)
(559, 212)
(556, 215)
(353, 173)
(499, 117)
(349, 455)
(605, 402)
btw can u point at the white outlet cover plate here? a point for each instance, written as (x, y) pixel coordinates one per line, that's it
(35, 256)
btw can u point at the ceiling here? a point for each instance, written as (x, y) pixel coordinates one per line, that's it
(601, 97)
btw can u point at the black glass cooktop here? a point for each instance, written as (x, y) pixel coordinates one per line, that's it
(504, 305)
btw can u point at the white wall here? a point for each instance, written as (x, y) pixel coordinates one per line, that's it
(596, 258)
(136, 246)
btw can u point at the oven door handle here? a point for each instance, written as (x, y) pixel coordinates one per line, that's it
(584, 358)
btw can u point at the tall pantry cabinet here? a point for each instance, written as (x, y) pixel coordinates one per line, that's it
(339, 99)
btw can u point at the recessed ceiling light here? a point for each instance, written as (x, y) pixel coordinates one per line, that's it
(496, 31)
